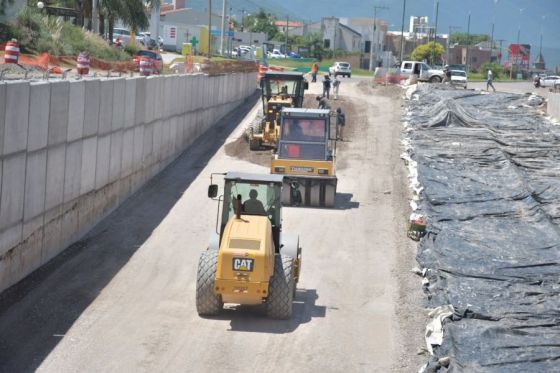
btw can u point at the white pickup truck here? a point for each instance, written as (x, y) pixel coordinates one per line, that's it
(422, 70)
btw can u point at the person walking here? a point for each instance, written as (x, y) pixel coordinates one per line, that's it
(326, 86)
(446, 74)
(489, 79)
(336, 85)
(340, 123)
(314, 71)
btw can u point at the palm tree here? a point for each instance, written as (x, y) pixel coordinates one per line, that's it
(134, 15)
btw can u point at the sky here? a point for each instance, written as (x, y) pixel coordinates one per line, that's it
(530, 17)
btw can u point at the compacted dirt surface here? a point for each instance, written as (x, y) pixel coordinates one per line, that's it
(123, 298)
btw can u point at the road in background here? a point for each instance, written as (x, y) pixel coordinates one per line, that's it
(123, 298)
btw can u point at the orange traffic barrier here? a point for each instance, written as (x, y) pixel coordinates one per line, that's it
(11, 52)
(145, 66)
(83, 63)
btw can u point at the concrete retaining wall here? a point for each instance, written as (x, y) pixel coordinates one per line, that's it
(553, 105)
(71, 151)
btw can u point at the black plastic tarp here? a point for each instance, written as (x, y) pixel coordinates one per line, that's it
(489, 165)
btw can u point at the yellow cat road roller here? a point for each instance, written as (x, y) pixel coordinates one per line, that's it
(249, 260)
(279, 90)
(306, 157)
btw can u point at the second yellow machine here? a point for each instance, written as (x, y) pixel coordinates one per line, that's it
(306, 156)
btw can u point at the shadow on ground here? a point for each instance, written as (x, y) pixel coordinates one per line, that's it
(38, 311)
(253, 318)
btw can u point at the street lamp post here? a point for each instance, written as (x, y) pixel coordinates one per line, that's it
(374, 37)
(402, 31)
(468, 42)
(224, 2)
(209, 28)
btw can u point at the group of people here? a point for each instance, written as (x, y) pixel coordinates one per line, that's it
(327, 82)
(323, 100)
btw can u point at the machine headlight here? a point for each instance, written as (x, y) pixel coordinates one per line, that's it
(279, 170)
(323, 171)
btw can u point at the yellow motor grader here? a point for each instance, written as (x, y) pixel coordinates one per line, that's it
(306, 156)
(278, 90)
(249, 260)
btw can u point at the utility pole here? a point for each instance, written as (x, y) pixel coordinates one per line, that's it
(223, 27)
(230, 35)
(287, 23)
(435, 33)
(209, 28)
(451, 28)
(519, 54)
(492, 43)
(402, 31)
(242, 20)
(500, 51)
(334, 41)
(95, 17)
(468, 42)
(374, 36)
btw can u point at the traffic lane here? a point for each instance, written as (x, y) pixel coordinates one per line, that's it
(37, 314)
(512, 87)
(345, 310)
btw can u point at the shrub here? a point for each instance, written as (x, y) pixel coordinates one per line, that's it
(37, 33)
(497, 70)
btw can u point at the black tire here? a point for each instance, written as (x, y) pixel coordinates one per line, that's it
(281, 289)
(349, 76)
(207, 302)
(435, 79)
(255, 144)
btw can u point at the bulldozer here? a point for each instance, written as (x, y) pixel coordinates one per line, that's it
(306, 156)
(249, 260)
(278, 90)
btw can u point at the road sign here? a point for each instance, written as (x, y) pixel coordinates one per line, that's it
(219, 33)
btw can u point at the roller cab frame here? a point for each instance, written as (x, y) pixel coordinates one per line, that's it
(278, 90)
(249, 260)
(306, 156)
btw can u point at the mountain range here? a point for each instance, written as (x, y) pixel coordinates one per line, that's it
(527, 18)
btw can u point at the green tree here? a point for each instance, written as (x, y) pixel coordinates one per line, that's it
(431, 51)
(314, 43)
(462, 38)
(261, 22)
(4, 4)
(497, 69)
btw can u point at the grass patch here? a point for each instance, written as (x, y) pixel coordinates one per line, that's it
(305, 66)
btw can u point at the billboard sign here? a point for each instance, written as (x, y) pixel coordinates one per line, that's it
(519, 55)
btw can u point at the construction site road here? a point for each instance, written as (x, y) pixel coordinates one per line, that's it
(123, 298)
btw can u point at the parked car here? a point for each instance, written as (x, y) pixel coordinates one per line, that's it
(550, 81)
(276, 54)
(459, 78)
(422, 71)
(293, 55)
(124, 35)
(341, 68)
(457, 67)
(152, 44)
(155, 58)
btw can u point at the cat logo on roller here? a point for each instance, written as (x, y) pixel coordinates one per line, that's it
(243, 264)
